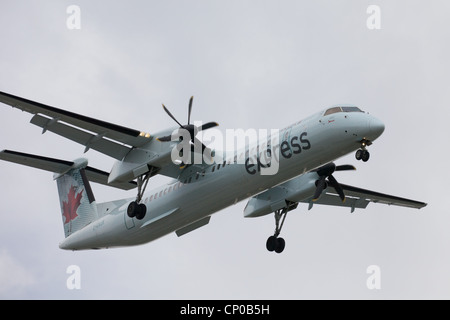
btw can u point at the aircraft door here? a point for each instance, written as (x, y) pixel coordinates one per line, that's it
(129, 222)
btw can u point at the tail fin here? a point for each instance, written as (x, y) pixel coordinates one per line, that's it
(78, 207)
(76, 199)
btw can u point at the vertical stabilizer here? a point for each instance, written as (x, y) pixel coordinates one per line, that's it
(78, 207)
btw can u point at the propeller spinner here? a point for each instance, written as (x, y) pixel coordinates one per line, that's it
(327, 172)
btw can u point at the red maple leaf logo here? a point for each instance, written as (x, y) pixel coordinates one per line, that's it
(70, 207)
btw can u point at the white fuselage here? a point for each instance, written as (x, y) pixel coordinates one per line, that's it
(302, 147)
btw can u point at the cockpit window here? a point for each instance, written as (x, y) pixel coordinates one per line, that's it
(332, 110)
(342, 109)
(351, 109)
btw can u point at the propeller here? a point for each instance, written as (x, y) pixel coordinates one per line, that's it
(192, 129)
(327, 171)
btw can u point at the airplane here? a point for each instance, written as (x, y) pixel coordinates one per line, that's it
(305, 152)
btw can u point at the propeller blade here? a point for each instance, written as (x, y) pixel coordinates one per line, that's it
(170, 115)
(208, 126)
(337, 187)
(196, 141)
(326, 170)
(319, 189)
(190, 109)
(345, 167)
(164, 139)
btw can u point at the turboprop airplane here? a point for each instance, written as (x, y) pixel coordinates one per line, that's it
(302, 154)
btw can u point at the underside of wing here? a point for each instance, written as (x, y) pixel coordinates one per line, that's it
(360, 198)
(105, 137)
(378, 197)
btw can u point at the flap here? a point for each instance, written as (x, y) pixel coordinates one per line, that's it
(112, 131)
(96, 142)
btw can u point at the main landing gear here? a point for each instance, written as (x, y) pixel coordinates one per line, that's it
(363, 154)
(135, 208)
(275, 243)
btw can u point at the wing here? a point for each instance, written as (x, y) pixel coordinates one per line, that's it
(360, 198)
(61, 166)
(108, 138)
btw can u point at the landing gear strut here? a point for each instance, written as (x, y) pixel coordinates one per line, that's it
(275, 243)
(363, 154)
(135, 208)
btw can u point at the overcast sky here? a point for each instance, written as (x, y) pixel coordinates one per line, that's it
(249, 64)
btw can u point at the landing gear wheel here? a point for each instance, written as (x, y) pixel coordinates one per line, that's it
(271, 243)
(142, 210)
(365, 156)
(280, 244)
(132, 209)
(362, 154)
(136, 210)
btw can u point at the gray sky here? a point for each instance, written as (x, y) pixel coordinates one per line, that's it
(249, 64)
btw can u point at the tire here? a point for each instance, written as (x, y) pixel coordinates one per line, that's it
(141, 211)
(280, 244)
(132, 209)
(365, 156)
(358, 154)
(271, 243)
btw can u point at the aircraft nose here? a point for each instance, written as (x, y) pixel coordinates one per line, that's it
(376, 127)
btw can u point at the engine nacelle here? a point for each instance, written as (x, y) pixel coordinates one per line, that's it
(275, 198)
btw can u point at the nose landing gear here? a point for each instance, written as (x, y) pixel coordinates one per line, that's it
(363, 154)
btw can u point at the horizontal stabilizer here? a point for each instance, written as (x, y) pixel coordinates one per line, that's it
(60, 166)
